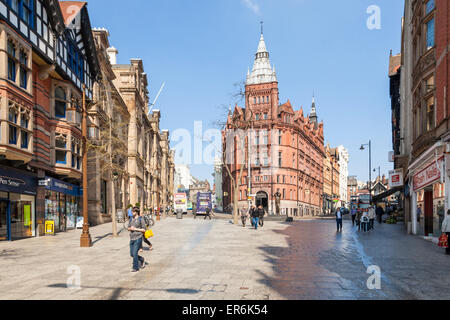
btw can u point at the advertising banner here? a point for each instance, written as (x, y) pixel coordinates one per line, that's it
(429, 175)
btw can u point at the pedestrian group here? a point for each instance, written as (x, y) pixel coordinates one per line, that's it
(256, 215)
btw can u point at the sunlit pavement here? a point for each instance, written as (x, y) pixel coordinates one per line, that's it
(202, 260)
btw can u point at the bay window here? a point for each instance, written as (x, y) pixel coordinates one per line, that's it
(60, 103)
(11, 61)
(60, 149)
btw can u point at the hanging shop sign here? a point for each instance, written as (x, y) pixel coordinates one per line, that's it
(395, 178)
(429, 175)
(391, 156)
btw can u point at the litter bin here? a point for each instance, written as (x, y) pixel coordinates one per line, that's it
(179, 214)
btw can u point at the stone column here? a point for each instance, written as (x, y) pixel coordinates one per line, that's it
(447, 183)
(413, 210)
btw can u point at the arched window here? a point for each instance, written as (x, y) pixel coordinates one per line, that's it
(254, 99)
(60, 103)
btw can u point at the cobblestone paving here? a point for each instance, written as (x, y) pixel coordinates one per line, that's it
(203, 260)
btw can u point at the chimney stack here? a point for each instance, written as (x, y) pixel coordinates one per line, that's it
(112, 53)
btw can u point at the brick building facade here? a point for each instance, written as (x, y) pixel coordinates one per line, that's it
(46, 58)
(286, 149)
(422, 140)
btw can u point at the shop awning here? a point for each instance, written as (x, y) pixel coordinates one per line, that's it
(386, 194)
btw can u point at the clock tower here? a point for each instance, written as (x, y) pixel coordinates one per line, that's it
(261, 86)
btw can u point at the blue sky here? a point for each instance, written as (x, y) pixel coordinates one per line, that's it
(200, 48)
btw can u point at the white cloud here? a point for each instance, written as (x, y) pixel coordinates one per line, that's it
(252, 5)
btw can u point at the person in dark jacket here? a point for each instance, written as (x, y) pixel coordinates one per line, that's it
(208, 213)
(261, 214)
(251, 214)
(380, 213)
(255, 216)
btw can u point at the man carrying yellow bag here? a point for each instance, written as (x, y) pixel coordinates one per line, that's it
(148, 234)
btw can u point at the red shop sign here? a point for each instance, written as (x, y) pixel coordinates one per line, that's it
(427, 176)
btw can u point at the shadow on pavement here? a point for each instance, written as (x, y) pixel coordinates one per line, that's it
(317, 264)
(117, 291)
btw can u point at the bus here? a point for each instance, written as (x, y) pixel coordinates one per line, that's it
(364, 202)
(180, 200)
(203, 202)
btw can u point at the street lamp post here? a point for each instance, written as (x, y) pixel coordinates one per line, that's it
(85, 240)
(379, 173)
(370, 167)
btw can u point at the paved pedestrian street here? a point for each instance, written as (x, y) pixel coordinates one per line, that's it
(204, 260)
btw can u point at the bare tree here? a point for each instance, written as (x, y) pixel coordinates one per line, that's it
(235, 128)
(109, 148)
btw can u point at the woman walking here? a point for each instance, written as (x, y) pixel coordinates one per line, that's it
(446, 229)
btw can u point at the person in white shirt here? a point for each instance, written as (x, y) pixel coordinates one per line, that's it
(371, 216)
(365, 221)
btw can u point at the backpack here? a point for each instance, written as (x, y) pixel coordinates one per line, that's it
(140, 221)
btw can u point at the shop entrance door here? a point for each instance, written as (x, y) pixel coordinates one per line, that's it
(4, 220)
(428, 199)
(262, 199)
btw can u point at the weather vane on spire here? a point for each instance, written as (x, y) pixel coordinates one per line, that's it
(262, 22)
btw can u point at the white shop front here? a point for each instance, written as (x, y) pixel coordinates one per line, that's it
(428, 192)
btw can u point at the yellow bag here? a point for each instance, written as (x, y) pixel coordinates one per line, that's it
(148, 234)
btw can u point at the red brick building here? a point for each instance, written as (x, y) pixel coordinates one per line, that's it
(46, 57)
(286, 148)
(424, 129)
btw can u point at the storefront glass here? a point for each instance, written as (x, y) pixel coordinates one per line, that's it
(71, 212)
(4, 220)
(17, 204)
(22, 218)
(62, 204)
(52, 208)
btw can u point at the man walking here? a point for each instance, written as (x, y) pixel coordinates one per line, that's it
(137, 229)
(339, 219)
(353, 212)
(251, 213)
(244, 215)
(208, 213)
(255, 216)
(261, 214)
(144, 219)
(380, 213)
(371, 218)
(419, 212)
